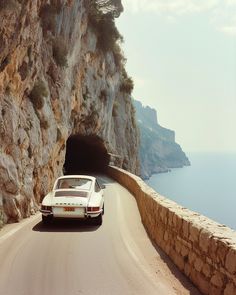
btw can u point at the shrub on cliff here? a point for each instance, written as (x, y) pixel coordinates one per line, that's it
(9, 4)
(127, 84)
(48, 18)
(60, 51)
(5, 62)
(44, 123)
(108, 34)
(119, 57)
(37, 95)
(103, 95)
(104, 27)
(115, 109)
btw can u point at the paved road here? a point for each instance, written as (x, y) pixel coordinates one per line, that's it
(74, 258)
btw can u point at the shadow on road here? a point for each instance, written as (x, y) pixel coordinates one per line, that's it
(66, 225)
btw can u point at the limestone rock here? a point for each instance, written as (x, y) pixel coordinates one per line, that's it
(159, 152)
(55, 82)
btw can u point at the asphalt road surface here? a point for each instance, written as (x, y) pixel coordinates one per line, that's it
(76, 258)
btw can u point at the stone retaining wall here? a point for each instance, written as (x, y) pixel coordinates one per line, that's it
(205, 251)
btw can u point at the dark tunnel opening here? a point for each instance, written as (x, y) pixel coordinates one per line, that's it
(85, 154)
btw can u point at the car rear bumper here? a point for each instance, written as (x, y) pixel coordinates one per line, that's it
(46, 212)
(80, 215)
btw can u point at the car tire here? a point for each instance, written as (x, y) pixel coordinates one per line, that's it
(97, 220)
(103, 209)
(46, 219)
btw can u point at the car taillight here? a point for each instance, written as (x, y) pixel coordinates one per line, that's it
(91, 209)
(48, 208)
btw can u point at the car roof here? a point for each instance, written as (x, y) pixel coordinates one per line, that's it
(77, 176)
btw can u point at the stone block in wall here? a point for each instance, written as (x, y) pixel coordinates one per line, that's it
(209, 261)
(186, 243)
(204, 240)
(192, 257)
(198, 264)
(194, 232)
(185, 228)
(166, 235)
(213, 248)
(159, 234)
(217, 279)
(207, 270)
(178, 247)
(178, 259)
(230, 289)
(230, 262)
(177, 222)
(170, 218)
(184, 251)
(187, 269)
(163, 214)
(215, 291)
(199, 280)
(168, 248)
(221, 253)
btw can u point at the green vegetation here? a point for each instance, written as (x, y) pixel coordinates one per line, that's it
(9, 4)
(92, 118)
(119, 57)
(48, 18)
(30, 152)
(73, 88)
(59, 134)
(86, 94)
(4, 63)
(48, 14)
(127, 84)
(103, 95)
(44, 123)
(115, 109)
(23, 70)
(60, 51)
(104, 27)
(8, 90)
(109, 38)
(37, 95)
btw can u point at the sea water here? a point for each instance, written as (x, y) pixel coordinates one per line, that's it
(208, 186)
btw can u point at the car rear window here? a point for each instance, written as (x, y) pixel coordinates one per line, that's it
(81, 194)
(74, 183)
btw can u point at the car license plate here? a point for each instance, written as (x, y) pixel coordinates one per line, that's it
(69, 209)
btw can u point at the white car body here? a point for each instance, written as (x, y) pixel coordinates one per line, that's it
(74, 196)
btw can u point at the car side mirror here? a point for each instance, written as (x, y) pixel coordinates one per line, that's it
(103, 186)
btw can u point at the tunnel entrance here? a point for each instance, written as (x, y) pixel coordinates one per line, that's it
(85, 154)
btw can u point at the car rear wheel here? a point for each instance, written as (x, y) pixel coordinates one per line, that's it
(46, 219)
(97, 220)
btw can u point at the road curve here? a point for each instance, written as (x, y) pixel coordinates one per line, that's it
(75, 258)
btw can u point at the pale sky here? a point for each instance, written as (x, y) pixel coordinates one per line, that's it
(182, 57)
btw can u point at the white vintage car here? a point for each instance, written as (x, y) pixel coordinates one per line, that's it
(74, 196)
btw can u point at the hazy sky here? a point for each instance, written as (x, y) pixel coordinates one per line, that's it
(182, 57)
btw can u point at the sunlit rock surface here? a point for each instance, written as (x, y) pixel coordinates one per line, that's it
(54, 82)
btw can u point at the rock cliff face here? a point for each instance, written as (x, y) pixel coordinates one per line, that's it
(55, 82)
(159, 152)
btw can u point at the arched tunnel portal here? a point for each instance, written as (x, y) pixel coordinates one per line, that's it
(85, 154)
